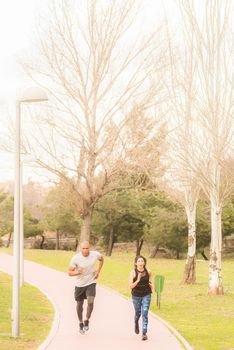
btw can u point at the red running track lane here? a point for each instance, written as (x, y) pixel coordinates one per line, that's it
(111, 324)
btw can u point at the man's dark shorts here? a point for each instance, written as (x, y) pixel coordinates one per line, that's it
(82, 293)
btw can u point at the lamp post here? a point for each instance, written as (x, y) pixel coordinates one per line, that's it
(22, 162)
(34, 94)
(21, 226)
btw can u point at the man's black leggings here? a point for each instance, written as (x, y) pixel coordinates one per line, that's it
(79, 308)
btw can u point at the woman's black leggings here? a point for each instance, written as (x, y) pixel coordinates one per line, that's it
(79, 308)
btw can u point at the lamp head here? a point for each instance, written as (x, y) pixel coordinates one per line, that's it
(33, 94)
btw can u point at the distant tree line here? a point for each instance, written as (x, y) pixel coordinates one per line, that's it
(121, 216)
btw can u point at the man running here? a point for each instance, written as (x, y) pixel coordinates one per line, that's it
(83, 265)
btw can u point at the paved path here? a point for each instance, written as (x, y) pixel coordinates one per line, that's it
(111, 324)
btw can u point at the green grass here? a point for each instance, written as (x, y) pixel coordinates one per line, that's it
(35, 316)
(206, 322)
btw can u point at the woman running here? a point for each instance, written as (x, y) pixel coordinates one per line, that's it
(141, 286)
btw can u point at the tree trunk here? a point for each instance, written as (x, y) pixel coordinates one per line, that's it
(111, 242)
(57, 239)
(190, 264)
(85, 228)
(190, 270)
(9, 240)
(215, 271)
(204, 255)
(42, 241)
(177, 254)
(154, 251)
(139, 245)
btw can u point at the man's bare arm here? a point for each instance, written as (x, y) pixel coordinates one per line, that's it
(73, 271)
(100, 264)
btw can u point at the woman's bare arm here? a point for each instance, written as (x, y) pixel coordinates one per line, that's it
(131, 278)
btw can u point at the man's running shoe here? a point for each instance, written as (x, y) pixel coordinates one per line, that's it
(86, 325)
(82, 328)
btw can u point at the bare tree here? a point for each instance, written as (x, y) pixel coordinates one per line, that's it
(180, 181)
(213, 41)
(186, 193)
(104, 85)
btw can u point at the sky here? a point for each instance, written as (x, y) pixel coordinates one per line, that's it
(17, 19)
(17, 23)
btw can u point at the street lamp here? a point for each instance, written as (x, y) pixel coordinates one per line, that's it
(22, 162)
(34, 94)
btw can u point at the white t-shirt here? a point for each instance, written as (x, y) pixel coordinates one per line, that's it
(88, 264)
